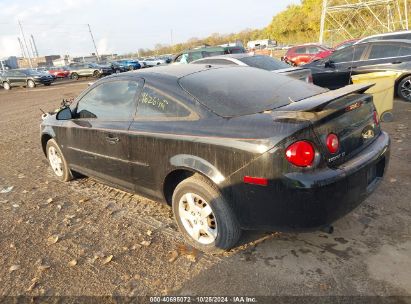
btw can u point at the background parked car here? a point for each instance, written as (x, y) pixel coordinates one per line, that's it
(304, 54)
(130, 64)
(150, 62)
(258, 61)
(403, 35)
(59, 72)
(24, 77)
(198, 53)
(335, 71)
(78, 70)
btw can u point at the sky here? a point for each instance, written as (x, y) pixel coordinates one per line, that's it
(123, 26)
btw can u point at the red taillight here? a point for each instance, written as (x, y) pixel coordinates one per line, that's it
(309, 78)
(300, 153)
(376, 119)
(333, 144)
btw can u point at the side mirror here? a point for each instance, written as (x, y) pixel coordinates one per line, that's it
(64, 114)
(329, 64)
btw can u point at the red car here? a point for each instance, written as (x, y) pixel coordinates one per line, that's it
(306, 53)
(59, 72)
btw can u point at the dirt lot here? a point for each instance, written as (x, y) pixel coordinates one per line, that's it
(84, 238)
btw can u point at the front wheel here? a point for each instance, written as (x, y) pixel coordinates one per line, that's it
(203, 216)
(58, 162)
(404, 88)
(6, 86)
(31, 84)
(74, 76)
(96, 74)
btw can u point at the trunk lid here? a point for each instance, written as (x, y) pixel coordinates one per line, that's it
(347, 113)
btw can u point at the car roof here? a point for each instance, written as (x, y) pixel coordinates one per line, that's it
(388, 41)
(228, 56)
(173, 71)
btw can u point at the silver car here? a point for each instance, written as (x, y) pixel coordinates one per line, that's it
(258, 61)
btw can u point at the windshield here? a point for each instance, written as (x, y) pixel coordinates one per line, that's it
(264, 62)
(237, 91)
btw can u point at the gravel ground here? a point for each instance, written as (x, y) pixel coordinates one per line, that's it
(85, 238)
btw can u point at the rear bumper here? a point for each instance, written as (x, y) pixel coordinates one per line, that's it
(310, 200)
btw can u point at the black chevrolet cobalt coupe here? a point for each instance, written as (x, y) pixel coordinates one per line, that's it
(229, 148)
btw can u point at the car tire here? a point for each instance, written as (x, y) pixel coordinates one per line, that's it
(118, 71)
(58, 162)
(404, 89)
(47, 84)
(130, 68)
(6, 86)
(74, 76)
(96, 74)
(31, 84)
(217, 229)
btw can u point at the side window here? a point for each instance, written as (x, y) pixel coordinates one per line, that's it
(195, 55)
(110, 100)
(348, 54)
(218, 62)
(300, 50)
(405, 51)
(313, 50)
(384, 51)
(153, 103)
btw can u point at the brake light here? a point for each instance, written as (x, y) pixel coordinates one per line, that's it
(300, 153)
(332, 142)
(376, 119)
(309, 78)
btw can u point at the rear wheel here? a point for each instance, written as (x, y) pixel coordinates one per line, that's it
(130, 68)
(404, 88)
(57, 161)
(31, 84)
(203, 215)
(96, 74)
(6, 86)
(74, 76)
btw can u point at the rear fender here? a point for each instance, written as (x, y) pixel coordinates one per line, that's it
(197, 164)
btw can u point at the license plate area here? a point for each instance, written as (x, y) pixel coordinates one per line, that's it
(374, 174)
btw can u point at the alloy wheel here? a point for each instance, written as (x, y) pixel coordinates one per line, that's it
(56, 162)
(406, 89)
(198, 218)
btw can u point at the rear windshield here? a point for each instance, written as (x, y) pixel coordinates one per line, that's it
(237, 91)
(264, 62)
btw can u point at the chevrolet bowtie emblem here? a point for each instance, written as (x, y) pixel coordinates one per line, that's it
(368, 134)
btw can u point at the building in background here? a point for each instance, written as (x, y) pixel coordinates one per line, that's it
(261, 44)
(9, 63)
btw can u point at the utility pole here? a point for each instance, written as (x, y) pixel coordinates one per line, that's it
(323, 16)
(25, 44)
(35, 46)
(94, 43)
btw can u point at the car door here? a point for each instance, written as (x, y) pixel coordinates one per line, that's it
(17, 78)
(96, 141)
(383, 56)
(160, 114)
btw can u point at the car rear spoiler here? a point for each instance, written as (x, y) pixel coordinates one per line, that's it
(318, 102)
